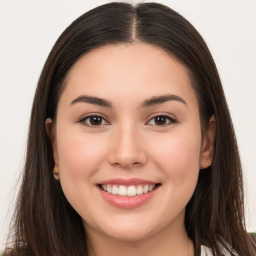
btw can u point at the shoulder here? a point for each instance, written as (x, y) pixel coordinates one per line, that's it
(206, 251)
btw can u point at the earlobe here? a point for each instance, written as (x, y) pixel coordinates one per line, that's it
(208, 143)
(50, 130)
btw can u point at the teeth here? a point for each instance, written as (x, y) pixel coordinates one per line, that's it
(109, 189)
(145, 189)
(131, 191)
(151, 187)
(115, 190)
(139, 190)
(122, 191)
(127, 190)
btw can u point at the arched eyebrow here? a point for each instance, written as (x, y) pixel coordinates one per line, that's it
(162, 99)
(92, 100)
(147, 103)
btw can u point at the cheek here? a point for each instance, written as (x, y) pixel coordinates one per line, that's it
(79, 156)
(185, 155)
(179, 162)
(78, 153)
(178, 156)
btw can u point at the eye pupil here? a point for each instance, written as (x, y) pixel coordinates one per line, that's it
(95, 120)
(160, 120)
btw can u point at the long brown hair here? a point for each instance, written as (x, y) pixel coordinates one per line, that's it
(45, 223)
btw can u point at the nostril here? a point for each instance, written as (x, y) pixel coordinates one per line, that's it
(127, 163)
(136, 163)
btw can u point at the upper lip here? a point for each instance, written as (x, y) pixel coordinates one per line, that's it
(127, 182)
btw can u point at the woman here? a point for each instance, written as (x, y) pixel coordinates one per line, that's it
(131, 148)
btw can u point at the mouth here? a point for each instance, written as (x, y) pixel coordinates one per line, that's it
(128, 191)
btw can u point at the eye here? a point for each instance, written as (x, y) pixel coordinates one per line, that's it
(161, 120)
(93, 120)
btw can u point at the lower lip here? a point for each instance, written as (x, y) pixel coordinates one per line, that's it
(127, 202)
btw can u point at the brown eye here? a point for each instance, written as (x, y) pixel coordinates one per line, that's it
(161, 120)
(93, 120)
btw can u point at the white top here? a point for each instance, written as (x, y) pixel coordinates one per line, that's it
(205, 251)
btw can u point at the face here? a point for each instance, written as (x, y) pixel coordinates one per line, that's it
(127, 141)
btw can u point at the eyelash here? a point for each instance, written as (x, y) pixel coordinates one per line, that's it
(100, 118)
(89, 117)
(167, 118)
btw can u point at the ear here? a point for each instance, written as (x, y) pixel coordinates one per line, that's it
(208, 142)
(51, 132)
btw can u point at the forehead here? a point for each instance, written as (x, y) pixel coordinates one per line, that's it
(127, 70)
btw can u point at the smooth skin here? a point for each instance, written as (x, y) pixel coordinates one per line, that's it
(130, 136)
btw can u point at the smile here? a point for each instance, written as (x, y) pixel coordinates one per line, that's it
(132, 190)
(127, 193)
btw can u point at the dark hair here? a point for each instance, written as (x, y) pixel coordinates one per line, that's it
(45, 223)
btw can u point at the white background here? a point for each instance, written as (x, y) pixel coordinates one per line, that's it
(28, 30)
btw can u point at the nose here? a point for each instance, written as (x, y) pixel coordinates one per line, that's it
(127, 150)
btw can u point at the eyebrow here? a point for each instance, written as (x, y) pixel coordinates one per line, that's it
(147, 103)
(162, 99)
(92, 100)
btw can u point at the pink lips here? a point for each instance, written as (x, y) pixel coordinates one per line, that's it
(127, 202)
(127, 182)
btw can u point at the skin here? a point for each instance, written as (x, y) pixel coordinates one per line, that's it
(130, 143)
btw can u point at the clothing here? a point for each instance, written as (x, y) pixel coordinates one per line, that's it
(205, 251)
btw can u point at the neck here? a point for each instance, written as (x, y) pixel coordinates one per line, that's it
(170, 241)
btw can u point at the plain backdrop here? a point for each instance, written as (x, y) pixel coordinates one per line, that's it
(28, 30)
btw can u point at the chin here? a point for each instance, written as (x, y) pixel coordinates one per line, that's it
(131, 232)
(129, 235)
